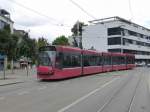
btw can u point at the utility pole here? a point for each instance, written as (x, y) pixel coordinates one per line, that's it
(12, 66)
(4, 68)
(27, 69)
(79, 34)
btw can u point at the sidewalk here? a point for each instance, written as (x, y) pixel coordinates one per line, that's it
(18, 76)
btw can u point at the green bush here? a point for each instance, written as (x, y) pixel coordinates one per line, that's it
(8, 66)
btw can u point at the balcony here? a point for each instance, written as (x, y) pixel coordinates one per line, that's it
(130, 47)
(142, 56)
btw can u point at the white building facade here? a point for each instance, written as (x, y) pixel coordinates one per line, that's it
(5, 19)
(116, 34)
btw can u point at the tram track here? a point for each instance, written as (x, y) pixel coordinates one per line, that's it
(134, 94)
(109, 101)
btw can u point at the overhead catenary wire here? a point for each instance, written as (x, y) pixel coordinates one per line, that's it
(130, 9)
(83, 10)
(41, 14)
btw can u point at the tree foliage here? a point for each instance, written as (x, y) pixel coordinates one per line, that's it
(77, 29)
(42, 42)
(15, 46)
(26, 47)
(61, 40)
(7, 42)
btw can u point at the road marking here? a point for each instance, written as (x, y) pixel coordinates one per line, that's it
(23, 93)
(86, 96)
(41, 88)
(2, 98)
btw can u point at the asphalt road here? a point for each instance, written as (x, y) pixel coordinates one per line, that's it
(121, 91)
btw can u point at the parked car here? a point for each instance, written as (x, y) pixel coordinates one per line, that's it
(140, 64)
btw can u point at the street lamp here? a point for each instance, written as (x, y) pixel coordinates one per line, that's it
(79, 29)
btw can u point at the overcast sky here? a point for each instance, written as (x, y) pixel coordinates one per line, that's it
(62, 14)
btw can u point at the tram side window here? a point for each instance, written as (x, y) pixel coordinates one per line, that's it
(122, 60)
(86, 60)
(119, 60)
(133, 60)
(91, 60)
(59, 57)
(107, 60)
(100, 60)
(130, 60)
(115, 60)
(71, 60)
(75, 60)
(94, 60)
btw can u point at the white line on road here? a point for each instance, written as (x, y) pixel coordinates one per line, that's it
(23, 93)
(41, 88)
(86, 96)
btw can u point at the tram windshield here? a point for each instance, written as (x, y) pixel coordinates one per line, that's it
(47, 56)
(44, 59)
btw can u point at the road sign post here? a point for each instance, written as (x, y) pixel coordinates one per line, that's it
(27, 69)
(12, 66)
(4, 68)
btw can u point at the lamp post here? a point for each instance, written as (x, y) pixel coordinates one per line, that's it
(4, 68)
(79, 34)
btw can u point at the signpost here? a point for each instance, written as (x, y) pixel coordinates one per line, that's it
(4, 68)
(3, 61)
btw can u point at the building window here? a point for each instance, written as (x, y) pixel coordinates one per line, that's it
(114, 50)
(127, 41)
(114, 41)
(133, 33)
(114, 31)
(2, 24)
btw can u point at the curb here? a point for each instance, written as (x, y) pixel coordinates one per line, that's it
(12, 83)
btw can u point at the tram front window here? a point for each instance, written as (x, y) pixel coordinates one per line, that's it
(44, 59)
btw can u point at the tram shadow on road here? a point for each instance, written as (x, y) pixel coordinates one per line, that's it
(105, 74)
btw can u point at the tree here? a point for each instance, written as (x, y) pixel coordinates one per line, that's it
(77, 29)
(61, 40)
(42, 42)
(27, 47)
(7, 42)
(77, 34)
(15, 46)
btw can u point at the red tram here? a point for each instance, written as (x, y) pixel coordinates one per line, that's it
(60, 62)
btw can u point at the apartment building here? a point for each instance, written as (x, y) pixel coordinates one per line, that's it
(5, 19)
(116, 34)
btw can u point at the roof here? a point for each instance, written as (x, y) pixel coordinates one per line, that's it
(61, 48)
(5, 14)
(116, 18)
(91, 52)
(68, 48)
(118, 54)
(106, 53)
